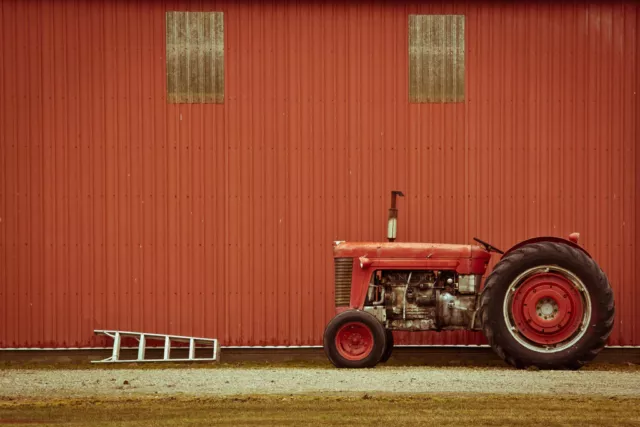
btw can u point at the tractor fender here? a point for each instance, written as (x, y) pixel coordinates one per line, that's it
(573, 243)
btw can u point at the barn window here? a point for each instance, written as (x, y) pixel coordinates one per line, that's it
(436, 58)
(195, 57)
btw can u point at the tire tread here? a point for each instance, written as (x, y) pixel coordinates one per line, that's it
(510, 261)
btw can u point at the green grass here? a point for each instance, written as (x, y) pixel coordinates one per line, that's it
(392, 410)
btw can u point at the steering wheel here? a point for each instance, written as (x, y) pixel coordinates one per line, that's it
(488, 246)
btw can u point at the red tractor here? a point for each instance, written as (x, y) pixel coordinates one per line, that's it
(547, 303)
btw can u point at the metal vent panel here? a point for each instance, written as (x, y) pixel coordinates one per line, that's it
(195, 57)
(343, 272)
(436, 58)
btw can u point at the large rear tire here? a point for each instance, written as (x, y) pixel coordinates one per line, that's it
(547, 305)
(354, 339)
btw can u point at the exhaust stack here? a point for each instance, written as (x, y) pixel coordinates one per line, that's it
(392, 222)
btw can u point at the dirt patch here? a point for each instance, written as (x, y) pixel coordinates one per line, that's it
(363, 409)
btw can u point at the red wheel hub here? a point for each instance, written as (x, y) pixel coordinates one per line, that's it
(547, 308)
(354, 341)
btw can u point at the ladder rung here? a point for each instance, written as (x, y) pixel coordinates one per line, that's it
(167, 348)
(141, 347)
(143, 337)
(116, 347)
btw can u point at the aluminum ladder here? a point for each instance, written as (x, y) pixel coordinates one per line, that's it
(142, 338)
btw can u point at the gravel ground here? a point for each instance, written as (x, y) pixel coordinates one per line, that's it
(211, 382)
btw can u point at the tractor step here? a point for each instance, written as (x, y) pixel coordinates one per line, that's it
(143, 337)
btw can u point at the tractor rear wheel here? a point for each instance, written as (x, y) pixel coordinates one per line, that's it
(547, 305)
(354, 339)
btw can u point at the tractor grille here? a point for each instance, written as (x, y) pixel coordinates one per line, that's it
(343, 267)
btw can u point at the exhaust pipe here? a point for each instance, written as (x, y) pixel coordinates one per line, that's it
(392, 222)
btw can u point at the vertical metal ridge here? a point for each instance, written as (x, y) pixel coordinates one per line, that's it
(4, 240)
(39, 317)
(131, 175)
(102, 294)
(165, 195)
(64, 187)
(232, 105)
(77, 208)
(28, 196)
(635, 336)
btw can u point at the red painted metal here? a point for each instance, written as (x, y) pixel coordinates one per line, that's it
(398, 250)
(119, 210)
(547, 328)
(369, 256)
(354, 341)
(360, 278)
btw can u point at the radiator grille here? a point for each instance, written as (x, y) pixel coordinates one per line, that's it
(343, 269)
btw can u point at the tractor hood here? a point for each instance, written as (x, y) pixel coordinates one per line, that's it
(408, 250)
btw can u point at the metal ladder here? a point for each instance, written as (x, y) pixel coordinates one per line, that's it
(142, 338)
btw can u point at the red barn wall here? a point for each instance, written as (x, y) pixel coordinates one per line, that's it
(119, 210)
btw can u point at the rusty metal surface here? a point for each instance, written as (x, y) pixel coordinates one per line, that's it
(121, 210)
(195, 57)
(436, 58)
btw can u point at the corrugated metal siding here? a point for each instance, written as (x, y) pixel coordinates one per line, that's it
(119, 210)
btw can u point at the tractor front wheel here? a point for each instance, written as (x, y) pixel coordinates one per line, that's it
(547, 305)
(389, 348)
(354, 339)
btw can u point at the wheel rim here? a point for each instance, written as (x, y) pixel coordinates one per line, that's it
(354, 341)
(547, 309)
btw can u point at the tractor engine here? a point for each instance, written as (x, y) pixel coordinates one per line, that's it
(423, 300)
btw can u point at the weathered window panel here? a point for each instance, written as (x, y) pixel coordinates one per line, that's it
(436, 58)
(195, 57)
